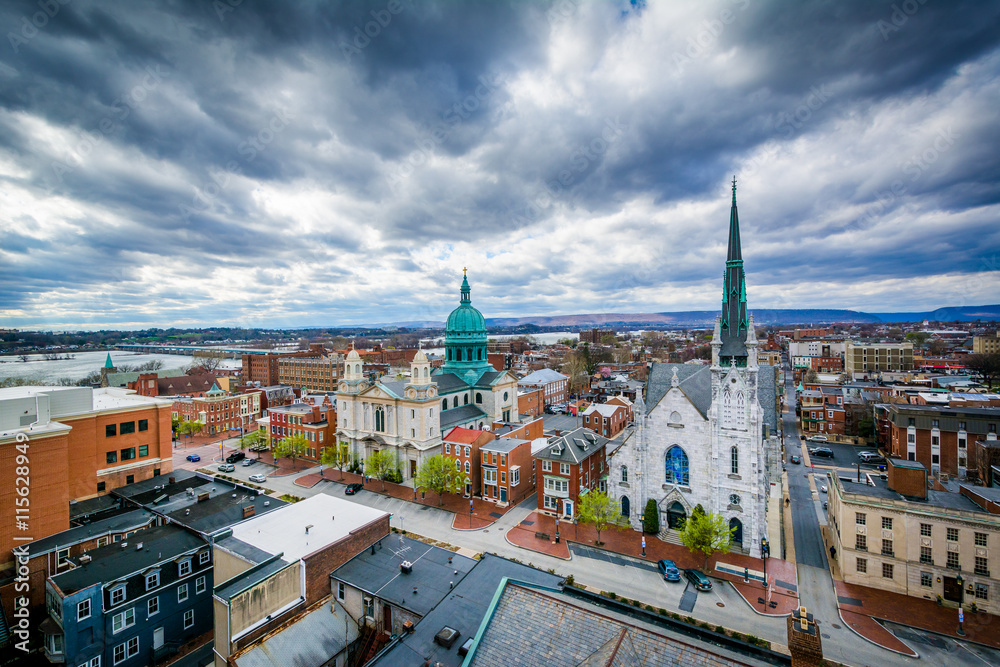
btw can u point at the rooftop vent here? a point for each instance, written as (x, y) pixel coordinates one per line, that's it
(406, 567)
(307, 528)
(446, 637)
(464, 648)
(84, 559)
(124, 545)
(138, 547)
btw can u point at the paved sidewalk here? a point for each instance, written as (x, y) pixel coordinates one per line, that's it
(915, 612)
(729, 567)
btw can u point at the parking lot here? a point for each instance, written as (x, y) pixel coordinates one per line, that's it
(844, 455)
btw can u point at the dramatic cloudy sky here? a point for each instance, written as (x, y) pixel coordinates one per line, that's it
(271, 164)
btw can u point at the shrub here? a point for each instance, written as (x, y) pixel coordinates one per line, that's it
(690, 619)
(570, 581)
(720, 629)
(736, 635)
(661, 611)
(636, 603)
(651, 518)
(674, 615)
(753, 640)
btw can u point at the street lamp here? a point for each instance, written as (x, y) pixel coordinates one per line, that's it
(557, 530)
(765, 551)
(961, 598)
(470, 512)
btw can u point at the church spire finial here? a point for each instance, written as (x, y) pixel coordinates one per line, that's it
(465, 271)
(734, 189)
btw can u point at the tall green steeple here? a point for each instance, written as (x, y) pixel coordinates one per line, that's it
(465, 338)
(734, 296)
(108, 364)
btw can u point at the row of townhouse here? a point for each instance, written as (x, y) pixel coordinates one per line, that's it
(313, 416)
(219, 411)
(497, 464)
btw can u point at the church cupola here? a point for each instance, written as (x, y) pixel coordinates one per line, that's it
(420, 370)
(465, 338)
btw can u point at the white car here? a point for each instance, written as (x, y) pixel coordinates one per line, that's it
(822, 488)
(226, 467)
(259, 478)
(818, 438)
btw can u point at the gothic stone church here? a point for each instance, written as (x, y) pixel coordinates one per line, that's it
(706, 434)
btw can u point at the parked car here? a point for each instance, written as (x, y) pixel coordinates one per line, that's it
(249, 462)
(193, 457)
(870, 457)
(802, 437)
(259, 478)
(669, 570)
(822, 488)
(235, 456)
(795, 459)
(698, 579)
(826, 504)
(353, 488)
(818, 438)
(823, 452)
(226, 467)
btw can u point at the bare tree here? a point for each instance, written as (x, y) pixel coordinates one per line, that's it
(986, 366)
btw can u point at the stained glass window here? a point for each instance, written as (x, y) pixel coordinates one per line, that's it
(677, 466)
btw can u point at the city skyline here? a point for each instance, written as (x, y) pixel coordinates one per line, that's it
(284, 166)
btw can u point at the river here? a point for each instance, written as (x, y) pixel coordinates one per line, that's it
(84, 363)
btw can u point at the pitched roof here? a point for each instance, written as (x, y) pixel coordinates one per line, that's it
(603, 409)
(449, 382)
(465, 436)
(573, 447)
(461, 415)
(543, 376)
(185, 384)
(695, 380)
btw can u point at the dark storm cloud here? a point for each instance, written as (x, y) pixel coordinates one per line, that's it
(249, 154)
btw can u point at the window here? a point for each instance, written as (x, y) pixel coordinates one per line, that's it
(111, 457)
(926, 555)
(152, 580)
(126, 428)
(887, 570)
(369, 607)
(467, 451)
(188, 618)
(153, 606)
(503, 478)
(479, 397)
(911, 438)
(203, 557)
(447, 448)
(182, 592)
(546, 466)
(625, 474)
(982, 592)
(980, 539)
(861, 542)
(935, 423)
(380, 419)
(143, 424)
(82, 610)
(925, 530)
(734, 461)
(466, 467)
(862, 565)
(102, 541)
(982, 566)
(926, 579)
(953, 534)
(122, 620)
(143, 450)
(557, 485)
(911, 421)
(458, 464)
(184, 568)
(129, 479)
(503, 459)
(935, 459)
(886, 523)
(100, 487)
(961, 426)
(128, 453)
(563, 468)
(676, 467)
(887, 548)
(734, 499)
(128, 650)
(953, 561)
(117, 595)
(199, 585)
(110, 430)
(515, 476)
(935, 441)
(551, 503)
(860, 518)
(340, 590)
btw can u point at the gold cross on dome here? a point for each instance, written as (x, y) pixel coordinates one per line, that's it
(465, 271)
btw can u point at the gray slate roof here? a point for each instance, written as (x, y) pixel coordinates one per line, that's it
(311, 640)
(119, 523)
(462, 609)
(378, 574)
(460, 415)
(449, 382)
(695, 381)
(574, 446)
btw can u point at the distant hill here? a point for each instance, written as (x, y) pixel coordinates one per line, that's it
(706, 318)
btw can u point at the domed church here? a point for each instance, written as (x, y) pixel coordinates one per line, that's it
(410, 417)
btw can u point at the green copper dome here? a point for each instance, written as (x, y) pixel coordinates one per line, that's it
(465, 338)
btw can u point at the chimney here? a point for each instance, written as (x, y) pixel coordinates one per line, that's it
(804, 641)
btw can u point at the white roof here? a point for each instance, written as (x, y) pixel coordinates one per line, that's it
(604, 410)
(543, 376)
(284, 530)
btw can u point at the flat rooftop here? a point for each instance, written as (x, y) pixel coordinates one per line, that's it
(329, 519)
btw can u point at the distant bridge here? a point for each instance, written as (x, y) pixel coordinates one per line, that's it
(189, 350)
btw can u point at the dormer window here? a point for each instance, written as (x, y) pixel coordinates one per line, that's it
(118, 594)
(203, 557)
(152, 579)
(184, 567)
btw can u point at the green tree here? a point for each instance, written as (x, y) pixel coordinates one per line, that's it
(707, 533)
(253, 439)
(190, 427)
(651, 520)
(292, 447)
(335, 456)
(438, 473)
(380, 464)
(601, 510)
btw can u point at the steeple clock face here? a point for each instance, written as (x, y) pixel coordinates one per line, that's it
(343, 386)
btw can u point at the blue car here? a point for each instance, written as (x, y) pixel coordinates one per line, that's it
(193, 457)
(668, 569)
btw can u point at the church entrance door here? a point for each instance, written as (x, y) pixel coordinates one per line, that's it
(738, 532)
(676, 516)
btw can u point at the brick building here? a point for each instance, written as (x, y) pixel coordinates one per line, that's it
(312, 373)
(506, 470)
(314, 417)
(462, 445)
(530, 402)
(868, 359)
(594, 336)
(939, 437)
(262, 368)
(150, 384)
(555, 385)
(220, 412)
(569, 465)
(607, 419)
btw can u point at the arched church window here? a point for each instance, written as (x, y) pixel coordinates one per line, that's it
(727, 408)
(444, 405)
(379, 419)
(479, 397)
(454, 402)
(676, 467)
(427, 372)
(741, 408)
(465, 400)
(734, 460)
(625, 474)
